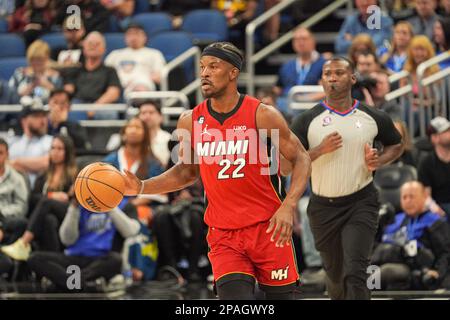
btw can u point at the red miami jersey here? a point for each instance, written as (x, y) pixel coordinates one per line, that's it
(238, 167)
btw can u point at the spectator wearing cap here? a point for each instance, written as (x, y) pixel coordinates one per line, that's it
(359, 23)
(29, 152)
(59, 123)
(38, 78)
(423, 22)
(136, 62)
(434, 169)
(94, 82)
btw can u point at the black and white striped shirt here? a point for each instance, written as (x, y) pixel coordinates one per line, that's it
(343, 171)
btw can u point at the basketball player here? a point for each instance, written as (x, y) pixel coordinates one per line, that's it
(339, 134)
(249, 216)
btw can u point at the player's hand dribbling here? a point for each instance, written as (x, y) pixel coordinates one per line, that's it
(132, 184)
(331, 142)
(281, 223)
(371, 157)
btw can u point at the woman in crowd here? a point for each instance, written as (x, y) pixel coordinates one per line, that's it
(441, 38)
(38, 79)
(361, 43)
(420, 50)
(394, 58)
(51, 195)
(136, 156)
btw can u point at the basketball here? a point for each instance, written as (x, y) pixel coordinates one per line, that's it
(99, 187)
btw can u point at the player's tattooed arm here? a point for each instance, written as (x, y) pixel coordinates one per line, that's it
(292, 150)
(184, 173)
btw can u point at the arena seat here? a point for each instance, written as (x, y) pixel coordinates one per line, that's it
(194, 22)
(422, 147)
(84, 160)
(389, 180)
(114, 40)
(3, 26)
(55, 40)
(153, 22)
(12, 46)
(141, 6)
(9, 65)
(172, 44)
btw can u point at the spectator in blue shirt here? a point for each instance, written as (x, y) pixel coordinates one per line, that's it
(358, 23)
(393, 57)
(305, 69)
(93, 241)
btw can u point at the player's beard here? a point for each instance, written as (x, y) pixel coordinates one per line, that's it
(209, 94)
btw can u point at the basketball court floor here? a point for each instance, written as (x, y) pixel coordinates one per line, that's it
(159, 290)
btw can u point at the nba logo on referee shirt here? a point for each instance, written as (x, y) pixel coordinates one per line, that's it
(326, 121)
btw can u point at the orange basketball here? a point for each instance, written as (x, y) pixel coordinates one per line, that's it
(99, 187)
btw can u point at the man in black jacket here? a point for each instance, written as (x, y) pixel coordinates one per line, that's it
(415, 248)
(59, 105)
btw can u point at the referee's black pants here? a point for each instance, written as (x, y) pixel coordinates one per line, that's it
(344, 231)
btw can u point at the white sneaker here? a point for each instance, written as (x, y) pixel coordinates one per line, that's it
(18, 250)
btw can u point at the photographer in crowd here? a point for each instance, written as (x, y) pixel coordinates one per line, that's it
(379, 86)
(366, 64)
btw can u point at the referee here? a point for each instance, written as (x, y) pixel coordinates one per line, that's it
(339, 134)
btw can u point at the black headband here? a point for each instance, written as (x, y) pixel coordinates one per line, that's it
(225, 55)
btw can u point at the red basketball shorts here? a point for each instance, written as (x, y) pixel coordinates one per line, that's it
(249, 251)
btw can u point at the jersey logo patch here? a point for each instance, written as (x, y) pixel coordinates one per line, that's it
(326, 121)
(201, 119)
(205, 131)
(280, 274)
(238, 128)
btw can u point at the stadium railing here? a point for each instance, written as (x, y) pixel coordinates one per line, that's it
(296, 93)
(123, 107)
(436, 86)
(404, 96)
(193, 52)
